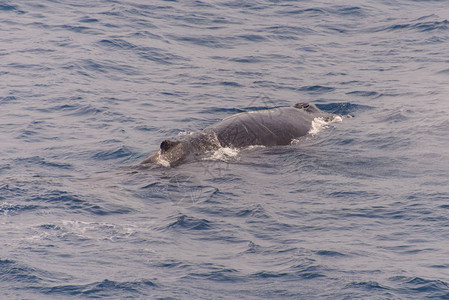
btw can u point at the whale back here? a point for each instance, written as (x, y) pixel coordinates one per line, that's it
(278, 126)
(270, 127)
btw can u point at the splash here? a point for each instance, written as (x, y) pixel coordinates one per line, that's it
(223, 154)
(319, 124)
(161, 160)
(185, 133)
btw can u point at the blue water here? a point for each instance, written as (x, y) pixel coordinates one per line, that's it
(89, 89)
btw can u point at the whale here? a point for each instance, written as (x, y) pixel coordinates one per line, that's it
(267, 127)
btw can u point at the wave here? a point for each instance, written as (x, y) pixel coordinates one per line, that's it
(182, 222)
(101, 289)
(318, 124)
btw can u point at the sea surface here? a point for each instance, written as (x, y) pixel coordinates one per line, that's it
(357, 210)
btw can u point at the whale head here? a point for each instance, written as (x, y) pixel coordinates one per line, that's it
(170, 152)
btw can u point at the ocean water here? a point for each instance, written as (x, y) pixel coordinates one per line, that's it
(357, 210)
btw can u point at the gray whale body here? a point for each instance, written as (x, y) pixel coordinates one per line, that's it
(269, 127)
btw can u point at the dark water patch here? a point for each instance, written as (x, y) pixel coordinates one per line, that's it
(334, 29)
(7, 99)
(19, 274)
(441, 266)
(247, 6)
(200, 20)
(119, 152)
(208, 41)
(375, 213)
(253, 248)
(183, 222)
(49, 227)
(9, 209)
(310, 12)
(367, 285)
(39, 131)
(106, 288)
(146, 128)
(173, 264)
(252, 37)
(431, 26)
(349, 10)
(147, 34)
(354, 194)
(4, 168)
(44, 162)
(79, 29)
(270, 274)
(228, 212)
(76, 204)
(87, 19)
(306, 271)
(316, 89)
(67, 201)
(230, 83)
(363, 93)
(6, 7)
(28, 66)
(148, 53)
(287, 32)
(246, 59)
(74, 110)
(14, 272)
(258, 214)
(219, 274)
(91, 67)
(345, 108)
(30, 136)
(157, 190)
(424, 27)
(430, 287)
(38, 51)
(330, 253)
(395, 116)
(9, 191)
(117, 43)
(445, 72)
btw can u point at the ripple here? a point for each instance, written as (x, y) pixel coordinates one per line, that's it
(363, 93)
(115, 153)
(367, 285)
(432, 288)
(190, 223)
(105, 288)
(418, 26)
(22, 274)
(316, 89)
(330, 253)
(219, 274)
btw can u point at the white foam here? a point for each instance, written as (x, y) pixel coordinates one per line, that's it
(160, 160)
(255, 147)
(320, 123)
(163, 162)
(223, 154)
(184, 133)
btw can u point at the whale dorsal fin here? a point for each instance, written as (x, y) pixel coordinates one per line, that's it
(167, 145)
(302, 105)
(308, 107)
